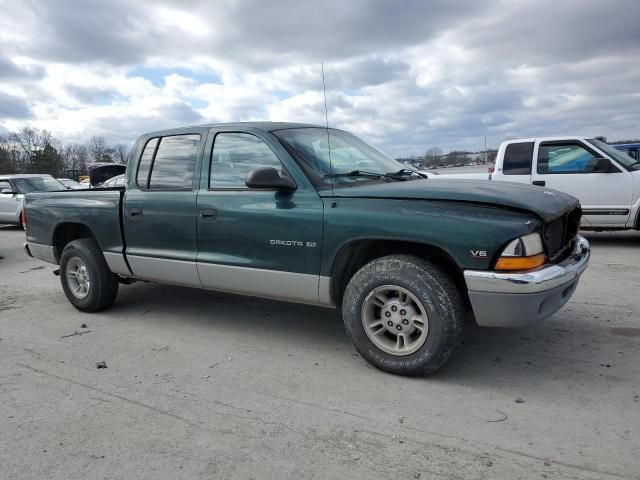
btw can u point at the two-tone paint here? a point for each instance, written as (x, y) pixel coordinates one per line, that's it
(283, 245)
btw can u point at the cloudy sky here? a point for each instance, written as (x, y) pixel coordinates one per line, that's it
(404, 75)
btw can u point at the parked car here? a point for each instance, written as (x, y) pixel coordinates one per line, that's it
(604, 179)
(262, 209)
(12, 191)
(70, 184)
(100, 172)
(631, 149)
(116, 182)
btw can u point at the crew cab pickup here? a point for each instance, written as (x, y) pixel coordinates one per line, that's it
(306, 214)
(605, 180)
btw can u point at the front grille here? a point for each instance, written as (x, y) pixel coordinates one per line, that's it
(559, 235)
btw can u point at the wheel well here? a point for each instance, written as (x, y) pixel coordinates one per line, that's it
(354, 255)
(67, 232)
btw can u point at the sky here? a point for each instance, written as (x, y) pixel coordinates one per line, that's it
(403, 75)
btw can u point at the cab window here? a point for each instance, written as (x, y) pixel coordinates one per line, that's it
(172, 165)
(236, 154)
(144, 166)
(517, 159)
(565, 158)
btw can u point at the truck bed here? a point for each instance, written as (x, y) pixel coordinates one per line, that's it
(100, 210)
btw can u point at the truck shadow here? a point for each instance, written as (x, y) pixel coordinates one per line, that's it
(630, 238)
(562, 348)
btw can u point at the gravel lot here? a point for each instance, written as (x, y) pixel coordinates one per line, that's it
(207, 385)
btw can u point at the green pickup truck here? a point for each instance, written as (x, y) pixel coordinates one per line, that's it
(306, 214)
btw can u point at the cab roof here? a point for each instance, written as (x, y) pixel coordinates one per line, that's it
(265, 126)
(549, 139)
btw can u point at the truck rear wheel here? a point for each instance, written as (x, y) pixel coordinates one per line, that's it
(403, 314)
(86, 279)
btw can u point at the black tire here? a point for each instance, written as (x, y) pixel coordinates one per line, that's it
(103, 288)
(440, 299)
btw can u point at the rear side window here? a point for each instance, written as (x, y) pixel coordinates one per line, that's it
(517, 159)
(174, 163)
(142, 177)
(5, 185)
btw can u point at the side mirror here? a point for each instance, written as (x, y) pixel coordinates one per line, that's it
(268, 178)
(603, 165)
(8, 191)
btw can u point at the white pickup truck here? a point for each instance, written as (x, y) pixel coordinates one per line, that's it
(605, 180)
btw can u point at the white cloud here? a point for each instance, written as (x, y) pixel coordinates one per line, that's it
(427, 74)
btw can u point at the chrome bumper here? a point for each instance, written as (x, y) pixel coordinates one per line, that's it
(518, 299)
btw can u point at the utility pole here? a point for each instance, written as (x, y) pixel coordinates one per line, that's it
(485, 151)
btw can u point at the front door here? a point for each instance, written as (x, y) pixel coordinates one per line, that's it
(572, 167)
(257, 242)
(160, 210)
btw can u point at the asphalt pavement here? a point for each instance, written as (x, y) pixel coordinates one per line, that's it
(201, 384)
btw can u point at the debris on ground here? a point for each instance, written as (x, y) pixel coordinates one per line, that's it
(519, 400)
(102, 364)
(84, 325)
(75, 333)
(501, 419)
(164, 348)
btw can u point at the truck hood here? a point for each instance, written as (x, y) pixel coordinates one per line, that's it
(548, 204)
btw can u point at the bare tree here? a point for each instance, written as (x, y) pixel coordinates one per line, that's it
(98, 150)
(432, 157)
(120, 153)
(75, 156)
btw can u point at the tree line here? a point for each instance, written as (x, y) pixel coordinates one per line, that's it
(32, 150)
(435, 157)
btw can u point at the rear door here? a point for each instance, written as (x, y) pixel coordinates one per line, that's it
(257, 242)
(571, 167)
(516, 163)
(160, 209)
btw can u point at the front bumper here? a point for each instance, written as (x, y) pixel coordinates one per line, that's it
(518, 299)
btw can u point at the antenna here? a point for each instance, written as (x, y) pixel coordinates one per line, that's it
(326, 120)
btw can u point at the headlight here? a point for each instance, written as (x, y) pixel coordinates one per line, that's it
(523, 253)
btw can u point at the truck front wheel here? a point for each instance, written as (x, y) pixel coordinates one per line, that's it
(403, 314)
(86, 279)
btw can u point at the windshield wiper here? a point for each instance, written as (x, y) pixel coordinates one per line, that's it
(408, 171)
(362, 173)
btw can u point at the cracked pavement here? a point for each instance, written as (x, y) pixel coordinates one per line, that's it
(207, 385)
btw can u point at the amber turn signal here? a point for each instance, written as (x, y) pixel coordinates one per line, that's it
(520, 263)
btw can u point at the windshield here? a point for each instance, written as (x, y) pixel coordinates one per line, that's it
(348, 154)
(37, 184)
(622, 158)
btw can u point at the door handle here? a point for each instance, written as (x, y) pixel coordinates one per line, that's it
(208, 215)
(540, 183)
(135, 212)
